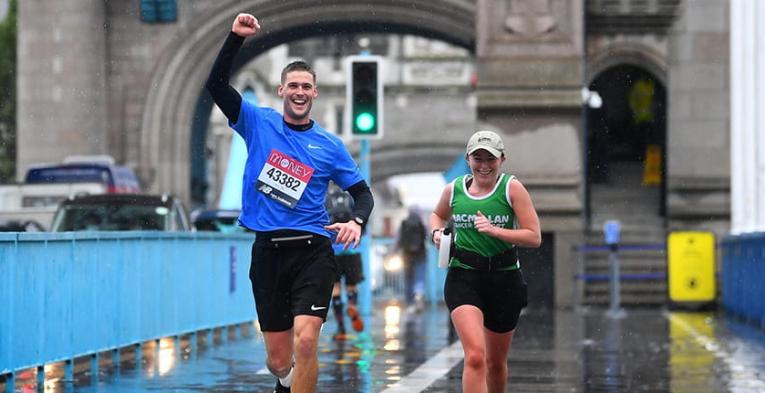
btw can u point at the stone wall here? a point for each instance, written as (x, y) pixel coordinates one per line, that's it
(698, 140)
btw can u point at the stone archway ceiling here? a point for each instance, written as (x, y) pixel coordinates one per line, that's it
(452, 21)
(631, 16)
(172, 98)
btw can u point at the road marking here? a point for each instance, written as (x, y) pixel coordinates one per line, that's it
(430, 371)
(747, 375)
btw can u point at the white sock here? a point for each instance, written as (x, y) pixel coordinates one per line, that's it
(287, 381)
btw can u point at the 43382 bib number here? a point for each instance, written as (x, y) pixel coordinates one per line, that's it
(283, 178)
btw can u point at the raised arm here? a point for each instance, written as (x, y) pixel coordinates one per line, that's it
(225, 96)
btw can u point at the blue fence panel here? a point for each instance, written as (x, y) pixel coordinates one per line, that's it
(757, 260)
(747, 289)
(743, 274)
(728, 273)
(434, 276)
(7, 251)
(66, 295)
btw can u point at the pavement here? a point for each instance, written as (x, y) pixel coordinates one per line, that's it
(410, 350)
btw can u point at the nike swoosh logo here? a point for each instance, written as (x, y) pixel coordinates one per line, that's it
(310, 146)
(314, 308)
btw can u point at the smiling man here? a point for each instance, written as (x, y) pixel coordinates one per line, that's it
(290, 162)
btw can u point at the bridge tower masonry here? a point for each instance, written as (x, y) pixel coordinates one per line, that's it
(62, 81)
(530, 66)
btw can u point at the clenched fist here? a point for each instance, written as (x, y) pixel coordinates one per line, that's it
(245, 25)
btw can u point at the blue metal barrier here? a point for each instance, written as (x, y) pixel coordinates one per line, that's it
(433, 280)
(67, 295)
(434, 276)
(743, 275)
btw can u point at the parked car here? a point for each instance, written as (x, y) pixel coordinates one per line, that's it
(121, 212)
(21, 226)
(86, 169)
(217, 220)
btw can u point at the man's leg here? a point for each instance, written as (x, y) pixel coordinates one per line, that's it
(337, 307)
(270, 301)
(353, 309)
(354, 275)
(279, 351)
(409, 272)
(306, 340)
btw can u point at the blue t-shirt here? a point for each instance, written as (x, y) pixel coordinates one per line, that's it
(287, 172)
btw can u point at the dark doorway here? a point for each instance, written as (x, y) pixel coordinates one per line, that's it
(538, 271)
(626, 146)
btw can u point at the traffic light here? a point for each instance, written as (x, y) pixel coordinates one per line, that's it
(364, 97)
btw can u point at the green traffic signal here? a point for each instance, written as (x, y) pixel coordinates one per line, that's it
(364, 97)
(365, 121)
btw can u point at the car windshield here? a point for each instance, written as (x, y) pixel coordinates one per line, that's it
(96, 217)
(68, 174)
(218, 224)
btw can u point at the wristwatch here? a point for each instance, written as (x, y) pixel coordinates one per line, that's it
(358, 220)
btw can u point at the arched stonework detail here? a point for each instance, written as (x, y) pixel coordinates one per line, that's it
(180, 74)
(639, 55)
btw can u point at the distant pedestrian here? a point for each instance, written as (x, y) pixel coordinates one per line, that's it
(412, 236)
(290, 162)
(485, 291)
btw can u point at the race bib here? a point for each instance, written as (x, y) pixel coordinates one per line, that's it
(283, 178)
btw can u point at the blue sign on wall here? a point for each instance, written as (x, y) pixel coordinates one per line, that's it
(155, 11)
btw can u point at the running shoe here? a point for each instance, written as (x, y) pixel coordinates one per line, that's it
(356, 322)
(279, 388)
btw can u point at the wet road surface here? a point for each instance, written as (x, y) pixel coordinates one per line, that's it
(583, 350)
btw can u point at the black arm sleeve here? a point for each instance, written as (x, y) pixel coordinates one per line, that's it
(363, 201)
(225, 96)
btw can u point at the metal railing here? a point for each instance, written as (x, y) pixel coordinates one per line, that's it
(743, 277)
(68, 295)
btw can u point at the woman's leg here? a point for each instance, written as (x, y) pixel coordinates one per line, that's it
(468, 321)
(497, 349)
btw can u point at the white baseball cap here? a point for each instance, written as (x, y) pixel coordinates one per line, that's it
(486, 140)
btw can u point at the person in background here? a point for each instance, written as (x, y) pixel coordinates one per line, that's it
(290, 162)
(485, 291)
(412, 236)
(340, 209)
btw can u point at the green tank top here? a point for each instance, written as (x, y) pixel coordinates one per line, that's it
(495, 206)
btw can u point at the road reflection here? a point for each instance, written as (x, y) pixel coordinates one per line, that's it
(581, 350)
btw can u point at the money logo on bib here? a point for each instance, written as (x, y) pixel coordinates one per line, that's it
(283, 178)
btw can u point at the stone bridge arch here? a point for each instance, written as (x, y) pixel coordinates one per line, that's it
(173, 94)
(640, 55)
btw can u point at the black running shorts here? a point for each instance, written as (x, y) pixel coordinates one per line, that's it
(349, 265)
(292, 273)
(500, 295)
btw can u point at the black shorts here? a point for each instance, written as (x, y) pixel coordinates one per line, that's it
(500, 295)
(349, 265)
(292, 274)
